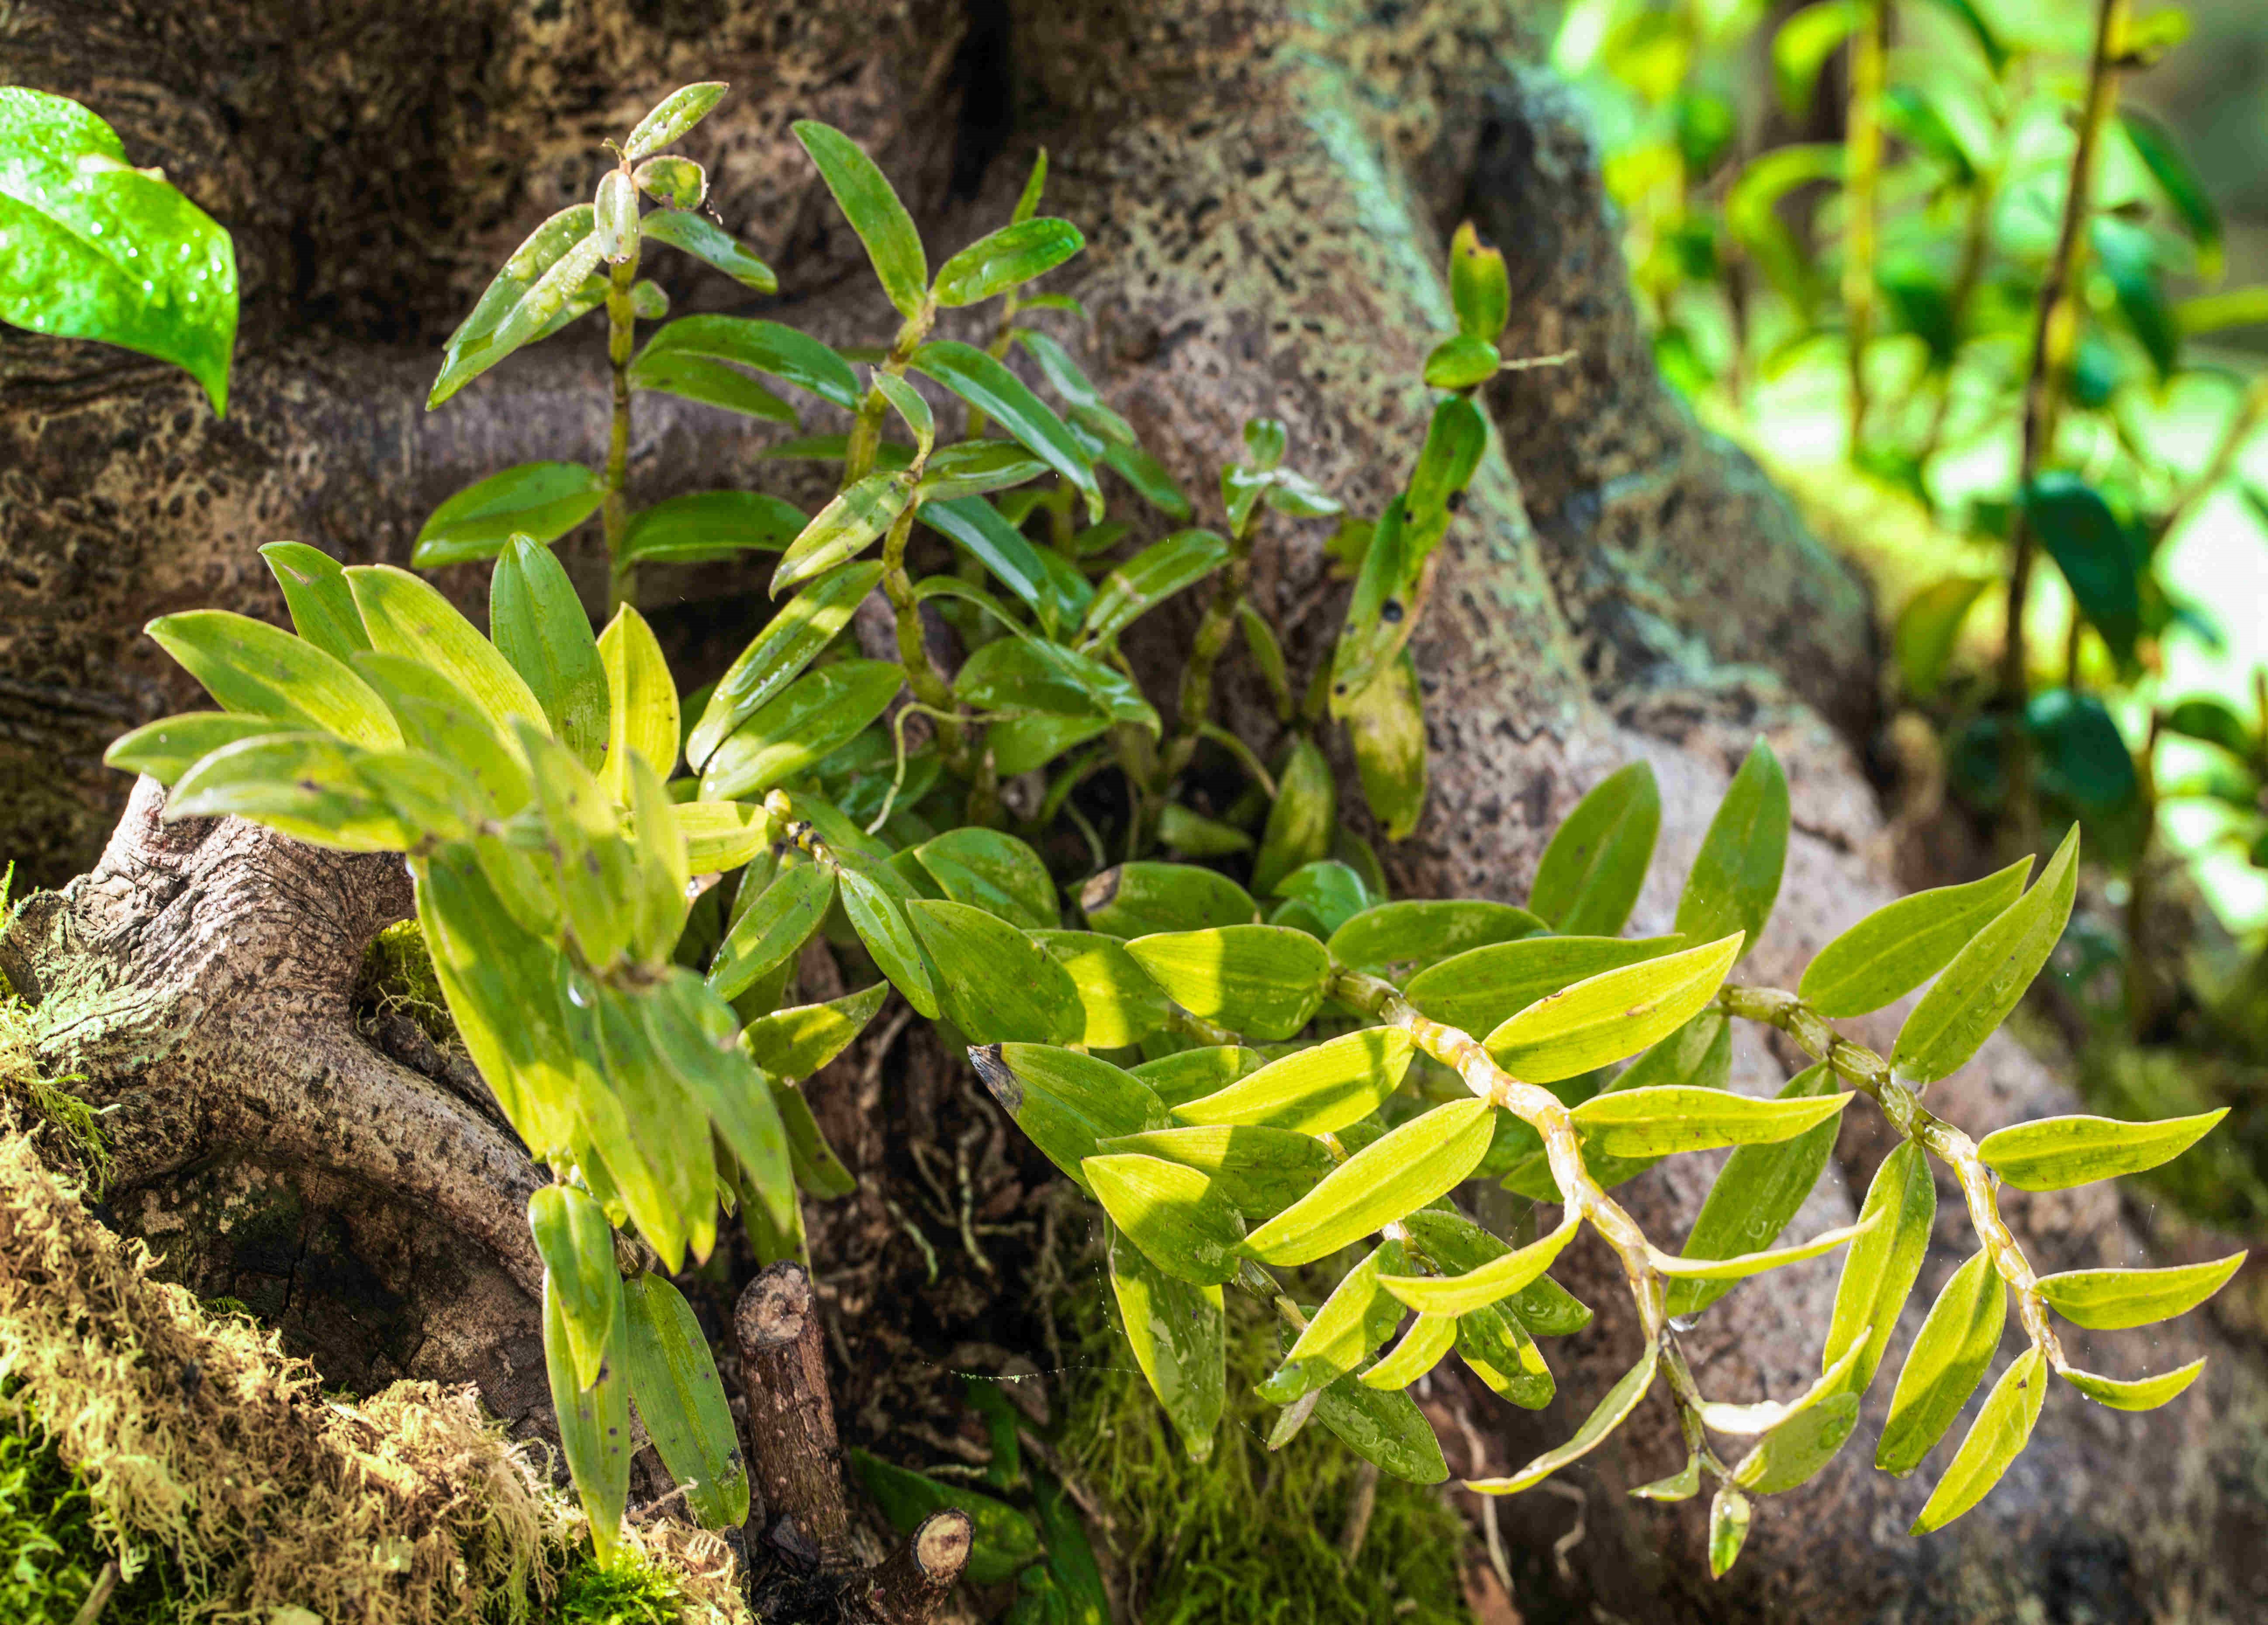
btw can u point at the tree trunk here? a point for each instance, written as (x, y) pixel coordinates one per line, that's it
(1266, 191)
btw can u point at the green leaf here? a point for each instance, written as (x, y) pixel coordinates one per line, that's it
(1316, 1090)
(2199, 718)
(321, 603)
(1266, 980)
(99, 250)
(1456, 1243)
(1386, 726)
(1148, 479)
(1462, 363)
(811, 718)
(1656, 1123)
(1589, 879)
(1947, 1362)
(1190, 1074)
(2215, 313)
(1756, 1194)
(1509, 1271)
(1620, 1401)
(791, 357)
(1391, 1177)
(994, 871)
(169, 747)
(696, 234)
(974, 467)
(1804, 43)
(1087, 407)
(1350, 1326)
(521, 304)
(987, 385)
(1423, 1346)
(1143, 899)
(1156, 573)
(1178, 1332)
(694, 1031)
(1929, 627)
(977, 526)
(701, 527)
(1009, 258)
(1614, 1014)
(1389, 935)
(254, 669)
(674, 182)
(796, 1042)
(1741, 1266)
(1261, 1171)
(578, 1248)
(1455, 440)
(1478, 287)
(1123, 1006)
(843, 529)
(537, 622)
(720, 835)
(681, 1402)
(1387, 1428)
(1332, 890)
(1005, 1541)
(777, 924)
(1729, 1513)
(1193, 834)
(805, 624)
(1477, 989)
(1066, 1102)
(711, 383)
(1682, 1485)
(1753, 219)
(998, 984)
(1379, 621)
(878, 914)
(1795, 1451)
(2091, 548)
(1899, 946)
(2002, 1429)
(542, 500)
(594, 1423)
(1735, 877)
(2112, 1300)
(1175, 1215)
(2056, 1153)
(641, 704)
(1495, 1345)
(874, 212)
(2138, 1393)
(409, 618)
(1884, 1262)
(1976, 992)
(675, 113)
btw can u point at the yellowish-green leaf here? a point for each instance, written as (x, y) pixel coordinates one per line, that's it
(594, 1423)
(408, 617)
(1393, 1176)
(1729, 1513)
(578, 1248)
(640, 707)
(841, 530)
(1617, 1013)
(1301, 821)
(1487, 1284)
(2135, 1393)
(1143, 899)
(1590, 875)
(257, 670)
(1353, 1321)
(1264, 980)
(1612, 1411)
(722, 835)
(1390, 936)
(1897, 948)
(805, 624)
(814, 716)
(1175, 1214)
(1946, 1364)
(168, 748)
(1191, 1074)
(1884, 1262)
(2110, 1300)
(1386, 726)
(1315, 1090)
(1422, 1347)
(1066, 1102)
(2002, 1429)
(1262, 1171)
(1741, 1266)
(681, 1402)
(1656, 1123)
(2056, 1153)
(1756, 1194)
(1178, 1331)
(772, 928)
(795, 1042)
(1478, 988)
(1797, 1449)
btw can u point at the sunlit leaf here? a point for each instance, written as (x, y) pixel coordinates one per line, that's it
(1478, 988)
(2138, 1393)
(2002, 1429)
(1611, 1412)
(1884, 1262)
(1065, 1102)
(2110, 1300)
(1652, 1123)
(1617, 1013)
(1946, 1364)
(1175, 1214)
(2056, 1153)
(1263, 980)
(1589, 877)
(1393, 1176)
(1901, 944)
(1756, 1194)
(1178, 1333)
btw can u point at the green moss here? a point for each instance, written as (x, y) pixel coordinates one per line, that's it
(628, 1593)
(397, 974)
(51, 1555)
(1250, 1536)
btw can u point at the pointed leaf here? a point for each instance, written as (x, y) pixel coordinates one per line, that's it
(1590, 875)
(1611, 1412)
(577, 1247)
(2110, 1300)
(2056, 1153)
(1191, 1074)
(1740, 1266)
(998, 984)
(1392, 1177)
(169, 747)
(1387, 936)
(1009, 258)
(993, 871)
(1315, 1090)
(323, 605)
(1156, 573)
(2140, 1392)
(793, 1043)
(1796, 1450)
(1899, 946)
(1178, 1332)
(641, 704)
(790, 356)
(675, 113)
(711, 383)
(408, 617)
(1266, 980)
(773, 927)
(1946, 1364)
(1144, 898)
(1261, 1171)
(874, 212)
(1353, 1321)
(1386, 726)
(1066, 1102)
(1735, 878)
(878, 914)
(1423, 1346)
(254, 669)
(1301, 821)
(1124, 1005)
(844, 529)
(537, 622)
(541, 500)
(594, 1423)
(1478, 287)
(1509, 1272)
(696, 234)
(1175, 1215)
(1884, 1262)
(1478, 988)
(1976, 992)
(2002, 1429)
(1654, 1123)
(1612, 1015)
(1757, 1194)
(816, 714)
(987, 385)
(701, 527)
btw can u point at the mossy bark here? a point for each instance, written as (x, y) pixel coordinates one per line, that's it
(1266, 190)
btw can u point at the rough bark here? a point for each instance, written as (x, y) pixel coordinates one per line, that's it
(1265, 191)
(790, 1419)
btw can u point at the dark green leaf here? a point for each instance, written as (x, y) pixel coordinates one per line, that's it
(2091, 548)
(805, 624)
(2081, 756)
(711, 383)
(1479, 988)
(543, 500)
(1387, 1428)
(1156, 573)
(1735, 877)
(1066, 1102)
(813, 716)
(998, 984)
(988, 386)
(993, 871)
(1005, 1541)
(1589, 878)
(788, 356)
(977, 526)
(578, 1248)
(1009, 258)
(771, 928)
(875, 903)
(1301, 820)
(1423, 933)
(1142, 899)
(697, 235)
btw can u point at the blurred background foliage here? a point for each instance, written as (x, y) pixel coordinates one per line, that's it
(1984, 284)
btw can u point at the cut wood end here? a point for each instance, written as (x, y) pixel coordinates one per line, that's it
(941, 1546)
(774, 1309)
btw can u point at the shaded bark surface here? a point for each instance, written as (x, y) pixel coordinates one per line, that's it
(1266, 192)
